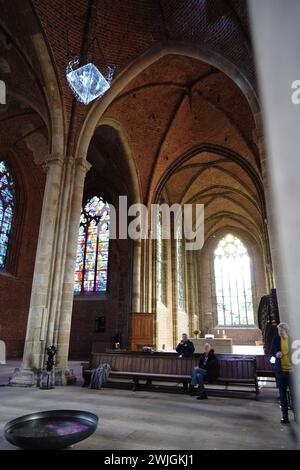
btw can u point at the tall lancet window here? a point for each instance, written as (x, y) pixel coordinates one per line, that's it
(180, 272)
(7, 205)
(92, 248)
(161, 264)
(233, 283)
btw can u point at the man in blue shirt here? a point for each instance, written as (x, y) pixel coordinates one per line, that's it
(185, 348)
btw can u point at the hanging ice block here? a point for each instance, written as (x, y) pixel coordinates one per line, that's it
(87, 83)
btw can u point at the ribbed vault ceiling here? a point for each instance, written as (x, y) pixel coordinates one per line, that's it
(191, 131)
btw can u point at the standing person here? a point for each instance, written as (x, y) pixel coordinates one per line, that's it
(283, 368)
(186, 347)
(208, 370)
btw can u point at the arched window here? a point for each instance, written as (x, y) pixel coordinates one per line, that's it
(180, 272)
(7, 204)
(233, 283)
(92, 248)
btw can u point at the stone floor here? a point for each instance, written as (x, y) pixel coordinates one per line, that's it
(155, 420)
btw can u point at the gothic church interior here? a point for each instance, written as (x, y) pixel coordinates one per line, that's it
(179, 124)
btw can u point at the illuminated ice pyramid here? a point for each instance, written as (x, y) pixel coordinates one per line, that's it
(87, 83)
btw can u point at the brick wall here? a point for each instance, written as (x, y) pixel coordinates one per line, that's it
(15, 287)
(114, 307)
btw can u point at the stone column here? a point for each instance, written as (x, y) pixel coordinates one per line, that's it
(274, 266)
(272, 258)
(191, 292)
(63, 323)
(278, 68)
(44, 265)
(196, 313)
(60, 253)
(51, 304)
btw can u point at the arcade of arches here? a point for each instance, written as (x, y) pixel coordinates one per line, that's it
(180, 124)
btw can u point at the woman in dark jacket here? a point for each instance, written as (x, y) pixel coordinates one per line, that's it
(208, 370)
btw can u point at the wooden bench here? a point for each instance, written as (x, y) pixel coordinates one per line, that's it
(235, 370)
(264, 368)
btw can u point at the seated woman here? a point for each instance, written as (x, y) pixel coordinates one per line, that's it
(208, 370)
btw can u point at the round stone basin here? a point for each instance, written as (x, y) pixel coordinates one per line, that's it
(50, 429)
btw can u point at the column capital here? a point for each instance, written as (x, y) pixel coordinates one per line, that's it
(258, 136)
(83, 164)
(53, 159)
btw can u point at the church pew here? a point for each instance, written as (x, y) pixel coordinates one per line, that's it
(235, 370)
(264, 368)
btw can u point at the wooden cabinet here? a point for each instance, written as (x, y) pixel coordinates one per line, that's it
(141, 330)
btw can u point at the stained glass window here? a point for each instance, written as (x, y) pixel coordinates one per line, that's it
(92, 248)
(7, 204)
(233, 283)
(180, 273)
(161, 264)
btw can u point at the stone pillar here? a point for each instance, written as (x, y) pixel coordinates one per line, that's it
(51, 304)
(176, 333)
(192, 292)
(60, 253)
(272, 258)
(278, 67)
(196, 316)
(275, 276)
(44, 265)
(63, 324)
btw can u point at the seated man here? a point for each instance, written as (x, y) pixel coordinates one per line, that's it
(185, 348)
(208, 370)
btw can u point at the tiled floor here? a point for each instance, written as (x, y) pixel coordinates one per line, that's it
(157, 420)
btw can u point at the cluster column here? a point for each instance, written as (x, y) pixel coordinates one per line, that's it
(50, 312)
(63, 328)
(43, 274)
